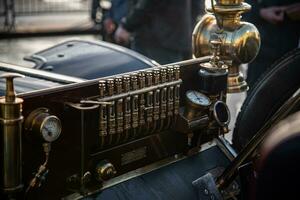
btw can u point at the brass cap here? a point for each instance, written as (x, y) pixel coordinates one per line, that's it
(229, 2)
(10, 91)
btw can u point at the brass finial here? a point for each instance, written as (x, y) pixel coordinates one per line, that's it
(10, 91)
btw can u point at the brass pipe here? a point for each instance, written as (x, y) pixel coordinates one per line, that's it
(11, 127)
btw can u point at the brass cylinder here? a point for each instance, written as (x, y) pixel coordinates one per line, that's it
(11, 124)
(11, 148)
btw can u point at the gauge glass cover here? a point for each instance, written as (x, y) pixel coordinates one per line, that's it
(198, 98)
(51, 128)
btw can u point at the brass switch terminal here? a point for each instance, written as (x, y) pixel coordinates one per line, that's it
(118, 84)
(119, 105)
(163, 93)
(170, 74)
(176, 90)
(111, 113)
(127, 103)
(134, 101)
(102, 114)
(163, 74)
(176, 72)
(156, 73)
(170, 92)
(110, 86)
(102, 88)
(126, 83)
(142, 82)
(149, 97)
(156, 95)
(134, 81)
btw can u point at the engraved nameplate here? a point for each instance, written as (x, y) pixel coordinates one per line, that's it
(134, 155)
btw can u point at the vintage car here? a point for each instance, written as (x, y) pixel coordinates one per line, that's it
(108, 123)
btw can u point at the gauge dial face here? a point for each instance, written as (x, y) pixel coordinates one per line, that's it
(198, 98)
(51, 128)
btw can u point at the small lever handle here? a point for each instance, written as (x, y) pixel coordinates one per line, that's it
(216, 44)
(10, 91)
(216, 47)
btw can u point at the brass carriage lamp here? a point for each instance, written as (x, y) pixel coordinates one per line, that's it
(240, 41)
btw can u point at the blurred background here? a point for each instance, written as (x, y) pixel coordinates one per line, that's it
(28, 26)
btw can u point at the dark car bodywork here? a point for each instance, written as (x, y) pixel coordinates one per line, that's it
(74, 61)
(89, 60)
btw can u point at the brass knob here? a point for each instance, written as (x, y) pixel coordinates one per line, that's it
(105, 170)
(10, 91)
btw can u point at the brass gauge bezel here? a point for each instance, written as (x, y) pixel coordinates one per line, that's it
(36, 121)
(46, 119)
(194, 110)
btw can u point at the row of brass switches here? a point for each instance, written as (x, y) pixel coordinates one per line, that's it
(138, 104)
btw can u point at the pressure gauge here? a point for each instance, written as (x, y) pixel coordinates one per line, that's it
(50, 128)
(42, 125)
(197, 99)
(196, 104)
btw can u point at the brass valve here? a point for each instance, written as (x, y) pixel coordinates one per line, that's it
(240, 41)
(11, 125)
(105, 171)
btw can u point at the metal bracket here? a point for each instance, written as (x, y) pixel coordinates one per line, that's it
(207, 188)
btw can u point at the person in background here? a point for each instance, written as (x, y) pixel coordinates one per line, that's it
(198, 10)
(279, 27)
(112, 18)
(160, 29)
